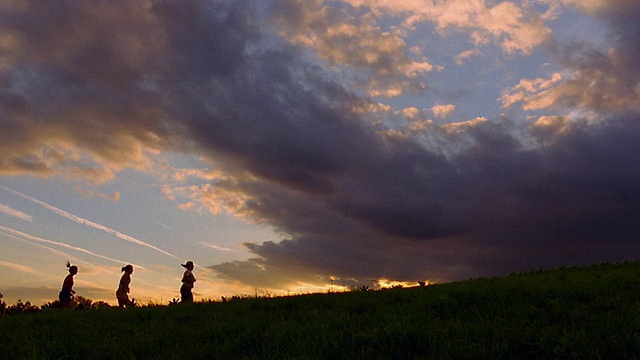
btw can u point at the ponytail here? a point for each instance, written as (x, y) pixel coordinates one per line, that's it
(71, 267)
(128, 267)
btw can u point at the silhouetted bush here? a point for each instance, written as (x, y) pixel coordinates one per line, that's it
(22, 308)
(78, 303)
(3, 306)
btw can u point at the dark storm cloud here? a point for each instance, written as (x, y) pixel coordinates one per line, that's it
(496, 208)
(305, 155)
(81, 76)
(500, 205)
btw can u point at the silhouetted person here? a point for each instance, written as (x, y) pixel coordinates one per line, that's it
(67, 287)
(122, 294)
(187, 283)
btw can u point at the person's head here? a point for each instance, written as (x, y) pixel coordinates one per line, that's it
(72, 268)
(188, 265)
(128, 269)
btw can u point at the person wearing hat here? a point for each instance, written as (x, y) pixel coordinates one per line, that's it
(187, 283)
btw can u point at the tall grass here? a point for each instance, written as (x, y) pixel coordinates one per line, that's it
(569, 313)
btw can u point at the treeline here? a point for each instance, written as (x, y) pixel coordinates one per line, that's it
(78, 303)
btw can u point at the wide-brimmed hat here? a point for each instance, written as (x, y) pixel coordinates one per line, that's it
(188, 264)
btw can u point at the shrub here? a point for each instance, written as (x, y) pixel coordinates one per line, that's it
(22, 308)
(78, 303)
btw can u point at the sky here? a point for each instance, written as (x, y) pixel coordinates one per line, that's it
(290, 146)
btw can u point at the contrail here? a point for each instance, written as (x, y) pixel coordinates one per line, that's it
(215, 247)
(89, 223)
(163, 225)
(38, 239)
(15, 213)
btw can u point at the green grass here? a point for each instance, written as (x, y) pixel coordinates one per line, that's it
(569, 313)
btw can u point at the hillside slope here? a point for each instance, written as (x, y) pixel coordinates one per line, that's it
(588, 312)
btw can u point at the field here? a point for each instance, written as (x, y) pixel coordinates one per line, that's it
(568, 313)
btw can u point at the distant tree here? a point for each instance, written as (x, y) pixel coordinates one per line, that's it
(3, 306)
(100, 305)
(78, 303)
(82, 303)
(52, 305)
(23, 308)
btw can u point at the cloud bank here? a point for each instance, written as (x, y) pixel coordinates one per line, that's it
(255, 90)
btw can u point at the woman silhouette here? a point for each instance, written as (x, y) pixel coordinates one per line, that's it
(122, 294)
(187, 283)
(67, 287)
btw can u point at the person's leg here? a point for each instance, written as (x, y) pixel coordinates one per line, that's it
(185, 294)
(65, 299)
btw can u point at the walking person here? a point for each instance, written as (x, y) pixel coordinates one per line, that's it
(67, 291)
(187, 283)
(122, 294)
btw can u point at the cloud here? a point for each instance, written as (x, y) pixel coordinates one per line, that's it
(330, 31)
(295, 145)
(462, 126)
(599, 79)
(413, 210)
(599, 7)
(76, 100)
(19, 267)
(531, 91)
(443, 110)
(35, 295)
(460, 58)
(91, 193)
(515, 28)
(497, 208)
(15, 213)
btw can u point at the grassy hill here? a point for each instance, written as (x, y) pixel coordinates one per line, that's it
(583, 313)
